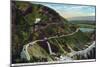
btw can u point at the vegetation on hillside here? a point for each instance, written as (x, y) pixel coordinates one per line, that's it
(25, 30)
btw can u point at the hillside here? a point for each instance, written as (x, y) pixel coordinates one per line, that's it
(40, 34)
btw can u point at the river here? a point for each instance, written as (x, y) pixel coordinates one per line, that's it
(87, 29)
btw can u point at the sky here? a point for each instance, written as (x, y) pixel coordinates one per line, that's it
(69, 10)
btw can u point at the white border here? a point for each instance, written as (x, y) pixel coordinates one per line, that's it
(5, 34)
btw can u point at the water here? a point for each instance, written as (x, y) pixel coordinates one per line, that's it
(87, 29)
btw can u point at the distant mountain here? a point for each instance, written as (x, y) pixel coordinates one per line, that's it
(82, 18)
